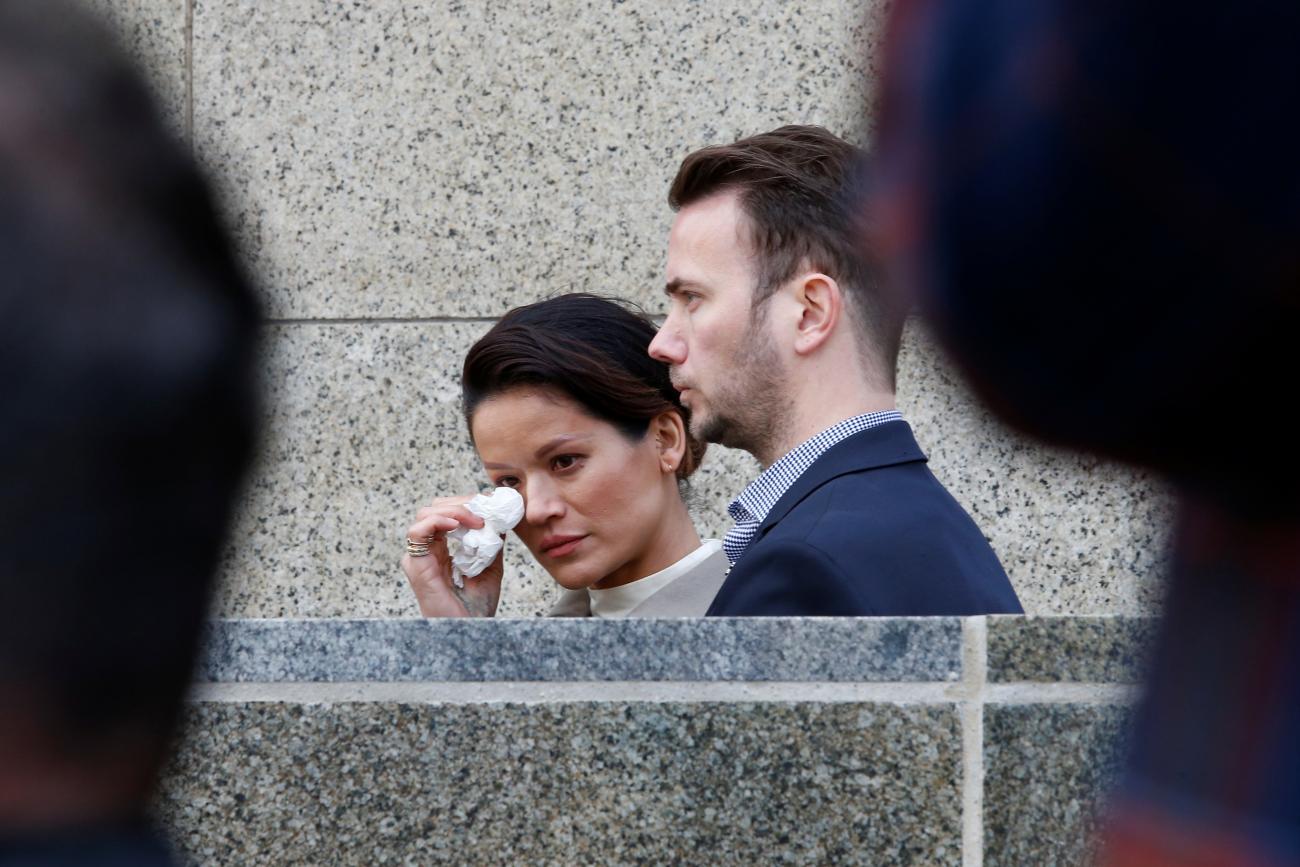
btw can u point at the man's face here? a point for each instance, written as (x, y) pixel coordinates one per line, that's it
(722, 356)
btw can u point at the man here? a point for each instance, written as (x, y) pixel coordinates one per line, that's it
(783, 344)
(127, 410)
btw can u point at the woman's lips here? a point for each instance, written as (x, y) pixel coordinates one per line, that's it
(558, 546)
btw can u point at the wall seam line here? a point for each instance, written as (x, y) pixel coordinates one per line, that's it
(974, 680)
(565, 691)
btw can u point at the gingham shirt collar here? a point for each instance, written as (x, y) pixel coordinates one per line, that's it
(751, 507)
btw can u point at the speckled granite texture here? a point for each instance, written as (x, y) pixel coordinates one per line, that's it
(836, 762)
(579, 783)
(759, 649)
(443, 158)
(1046, 769)
(364, 425)
(1068, 649)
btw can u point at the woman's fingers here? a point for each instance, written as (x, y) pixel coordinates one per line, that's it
(442, 521)
(434, 525)
(452, 508)
(430, 574)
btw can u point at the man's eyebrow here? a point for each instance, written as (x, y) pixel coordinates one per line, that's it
(677, 284)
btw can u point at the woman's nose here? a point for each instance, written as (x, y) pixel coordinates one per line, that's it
(542, 502)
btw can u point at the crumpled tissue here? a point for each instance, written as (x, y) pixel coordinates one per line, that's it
(472, 551)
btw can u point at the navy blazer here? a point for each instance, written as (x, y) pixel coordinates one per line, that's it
(867, 530)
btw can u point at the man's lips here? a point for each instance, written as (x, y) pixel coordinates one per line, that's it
(558, 546)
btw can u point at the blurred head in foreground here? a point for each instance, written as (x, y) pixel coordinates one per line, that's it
(127, 415)
(1104, 227)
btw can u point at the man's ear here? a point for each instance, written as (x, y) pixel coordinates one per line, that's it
(670, 439)
(821, 306)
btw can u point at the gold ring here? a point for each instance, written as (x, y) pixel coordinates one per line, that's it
(416, 549)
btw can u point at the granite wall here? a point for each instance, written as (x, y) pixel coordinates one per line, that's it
(752, 741)
(400, 173)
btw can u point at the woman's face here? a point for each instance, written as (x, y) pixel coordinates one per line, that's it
(593, 498)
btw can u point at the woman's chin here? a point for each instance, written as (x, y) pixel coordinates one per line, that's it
(576, 576)
(574, 570)
(574, 579)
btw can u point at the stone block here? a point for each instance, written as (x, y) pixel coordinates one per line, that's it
(568, 783)
(564, 649)
(1068, 649)
(1046, 771)
(402, 159)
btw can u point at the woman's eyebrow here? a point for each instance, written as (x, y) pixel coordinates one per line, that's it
(562, 439)
(549, 445)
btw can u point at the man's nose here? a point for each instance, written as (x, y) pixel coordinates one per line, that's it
(668, 345)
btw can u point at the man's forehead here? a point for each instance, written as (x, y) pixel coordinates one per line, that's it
(718, 218)
(709, 234)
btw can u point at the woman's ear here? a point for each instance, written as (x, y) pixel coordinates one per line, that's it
(670, 440)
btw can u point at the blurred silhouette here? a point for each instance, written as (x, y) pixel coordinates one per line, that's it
(1098, 205)
(127, 417)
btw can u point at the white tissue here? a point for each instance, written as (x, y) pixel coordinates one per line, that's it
(472, 551)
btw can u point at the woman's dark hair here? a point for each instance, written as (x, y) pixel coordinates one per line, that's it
(589, 348)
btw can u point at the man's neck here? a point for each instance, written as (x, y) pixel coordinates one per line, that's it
(809, 420)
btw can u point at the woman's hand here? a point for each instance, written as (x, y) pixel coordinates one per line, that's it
(430, 575)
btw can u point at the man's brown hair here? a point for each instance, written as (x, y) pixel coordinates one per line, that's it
(794, 185)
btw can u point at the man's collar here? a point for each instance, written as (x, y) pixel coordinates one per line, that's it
(762, 494)
(883, 445)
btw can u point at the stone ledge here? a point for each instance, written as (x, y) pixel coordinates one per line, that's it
(730, 649)
(1067, 649)
(810, 740)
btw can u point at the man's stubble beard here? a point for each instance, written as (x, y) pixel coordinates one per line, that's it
(751, 412)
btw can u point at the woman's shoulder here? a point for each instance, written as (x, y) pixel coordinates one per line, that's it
(572, 603)
(691, 592)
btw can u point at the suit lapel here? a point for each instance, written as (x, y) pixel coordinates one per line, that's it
(882, 446)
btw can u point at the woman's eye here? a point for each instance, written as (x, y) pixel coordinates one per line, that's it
(507, 482)
(564, 462)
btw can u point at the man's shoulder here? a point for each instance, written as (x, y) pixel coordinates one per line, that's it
(790, 577)
(865, 503)
(872, 540)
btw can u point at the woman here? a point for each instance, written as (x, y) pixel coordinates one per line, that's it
(565, 405)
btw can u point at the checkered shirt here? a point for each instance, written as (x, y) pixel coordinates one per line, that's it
(751, 507)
